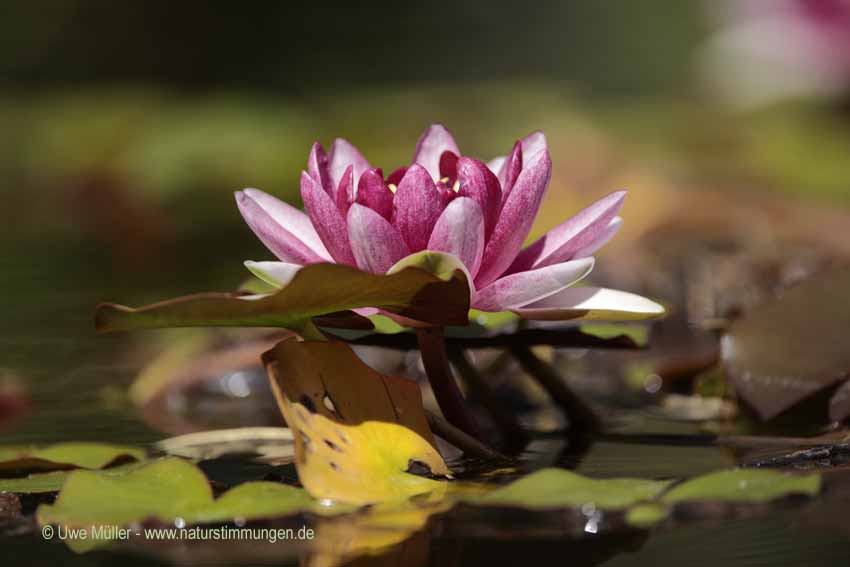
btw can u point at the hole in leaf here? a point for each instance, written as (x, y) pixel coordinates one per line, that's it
(334, 466)
(305, 401)
(419, 468)
(306, 441)
(332, 445)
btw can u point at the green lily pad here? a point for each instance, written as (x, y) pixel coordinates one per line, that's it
(558, 488)
(744, 486)
(66, 456)
(166, 490)
(315, 291)
(35, 483)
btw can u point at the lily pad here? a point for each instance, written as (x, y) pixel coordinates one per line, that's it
(316, 290)
(359, 435)
(35, 483)
(558, 488)
(744, 486)
(165, 490)
(63, 456)
(792, 347)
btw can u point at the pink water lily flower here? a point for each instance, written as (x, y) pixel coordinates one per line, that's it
(479, 213)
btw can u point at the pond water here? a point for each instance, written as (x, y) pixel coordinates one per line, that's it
(76, 384)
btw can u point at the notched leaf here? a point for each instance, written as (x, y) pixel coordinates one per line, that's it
(357, 430)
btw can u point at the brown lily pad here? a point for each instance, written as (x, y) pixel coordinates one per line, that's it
(794, 346)
(360, 436)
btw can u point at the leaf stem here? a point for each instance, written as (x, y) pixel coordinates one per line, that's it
(449, 398)
(581, 417)
(512, 433)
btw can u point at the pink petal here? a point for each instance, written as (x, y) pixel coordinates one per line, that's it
(396, 176)
(434, 141)
(516, 219)
(341, 155)
(593, 303)
(376, 244)
(285, 230)
(373, 192)
(317, 167)
(329, 222)
(495, 164)
(480, 184)
(510, 170)
(448, 165)
(603, 238)
(345, 191)
(581, 231)
(460, 231)
(526, 287)
(417, 205)
(532, 144)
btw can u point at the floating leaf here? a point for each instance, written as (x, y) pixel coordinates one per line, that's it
(558, 488)
(792, 347)
(67, 456)
(163, 490)
(357, 432)
(35, 483)
(316, 290)
(743, 485)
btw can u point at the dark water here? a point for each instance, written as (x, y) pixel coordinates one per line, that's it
(76, 380)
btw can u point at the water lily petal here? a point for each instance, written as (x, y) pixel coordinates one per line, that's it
(285, 230)
(516, 218)
(434, 141)
(341, 155)
(495, 164)
(277, 274)
(373, 193)
(328, 221)
(345, 190)
(533, 144)
(480, 184)
(376, 244)
(448, 165)
(396, 176)
(580, 231)
(592, 303)
(510, 170)
(417, 206)
(520, 289)
(602, 239)
(460, 231)
(317, 167)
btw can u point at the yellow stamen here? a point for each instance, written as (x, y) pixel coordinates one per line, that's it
(456, 186)
(392, 187)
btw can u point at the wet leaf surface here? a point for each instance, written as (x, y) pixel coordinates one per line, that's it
(793, 347)
(559, 488)
(69, 455)
(744, 485)
(316, 290)
(357, 432)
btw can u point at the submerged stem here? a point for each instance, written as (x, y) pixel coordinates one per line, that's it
(449, 398)
(581, 417)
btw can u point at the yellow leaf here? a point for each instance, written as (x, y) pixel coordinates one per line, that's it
(357, 432)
